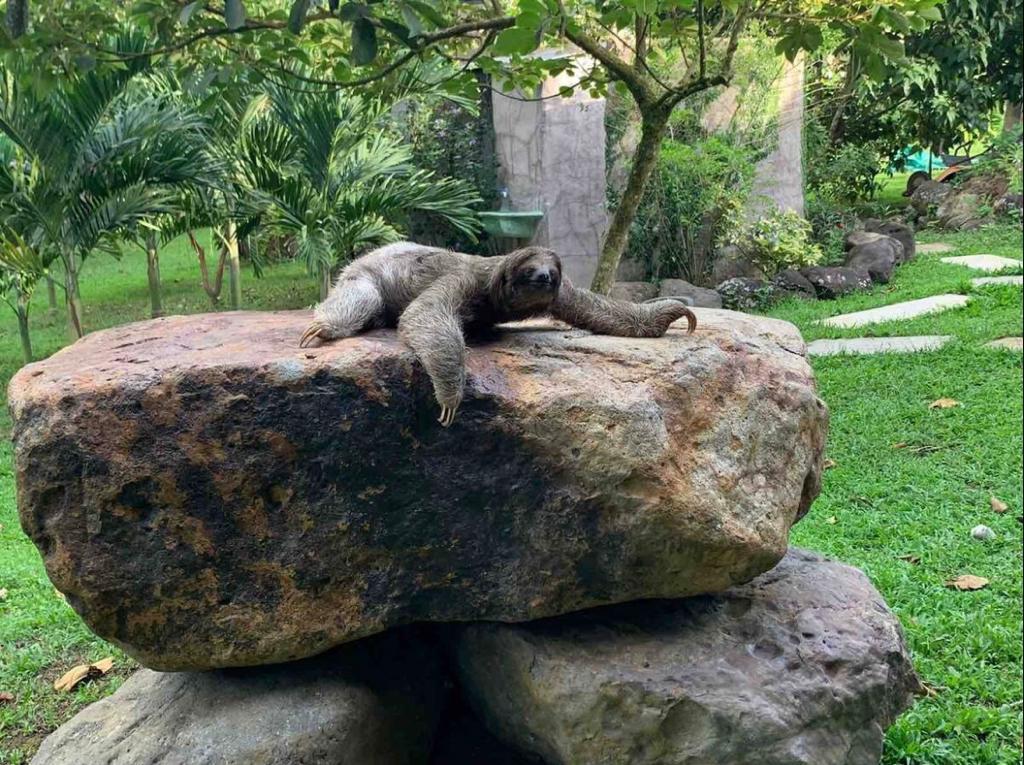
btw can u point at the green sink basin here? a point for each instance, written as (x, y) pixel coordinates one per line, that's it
(515, 225)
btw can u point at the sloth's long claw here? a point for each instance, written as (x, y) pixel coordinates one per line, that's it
(313, 331)
(447, 416)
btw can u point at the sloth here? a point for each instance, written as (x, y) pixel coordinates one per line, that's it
(435, 297)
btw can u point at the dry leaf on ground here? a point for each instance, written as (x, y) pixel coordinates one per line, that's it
(967, 582)
(998, 505)
(943, 403)
(912, 559)
(75, 675)
(6, 697)
(3, 593)
(828, 464)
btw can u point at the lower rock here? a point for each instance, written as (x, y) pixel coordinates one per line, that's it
(746, 294)
(375, 702)
(792, 283)
(700, 297)
(833, 282)
(899, 231)
(961, 211)
(805, 665)
(877, 258)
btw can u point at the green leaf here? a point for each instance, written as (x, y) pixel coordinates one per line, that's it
(411, 20)
(187, 11)
(931, 13)
(364, 42)
(515, 40)
(427, 12)
(297, 16)
(399, 31)
(234, 14)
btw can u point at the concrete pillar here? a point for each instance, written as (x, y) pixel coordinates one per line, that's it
(550, 155)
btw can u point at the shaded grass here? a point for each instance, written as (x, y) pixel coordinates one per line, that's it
(913, 481)
(878, 503)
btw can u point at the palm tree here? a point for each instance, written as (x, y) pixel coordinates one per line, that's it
(325, 169)
(92, 161)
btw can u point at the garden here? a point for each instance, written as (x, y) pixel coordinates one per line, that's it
(163, 160)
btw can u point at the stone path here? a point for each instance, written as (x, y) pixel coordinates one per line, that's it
(865, 345)
(1004, 343)
(908, 310)
(984, 262)
(981, 281)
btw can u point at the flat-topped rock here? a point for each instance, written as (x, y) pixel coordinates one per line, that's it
(1007, 344)
(910, 309)
(805, 665)
(206, 494)
(984, 262)
(1008, 281)
(932, 248)
(861, 346)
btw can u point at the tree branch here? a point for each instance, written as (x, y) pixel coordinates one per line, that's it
(617, 68)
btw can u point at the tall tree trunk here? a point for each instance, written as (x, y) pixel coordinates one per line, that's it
(16, 17)
(153, 274)
(72, 297)
(212, 289)
(838, 126)
(26, 338)
(51, 294)
(234, 266)
(1012, 115)
(652, 130)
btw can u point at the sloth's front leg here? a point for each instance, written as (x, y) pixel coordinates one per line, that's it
(432, 326)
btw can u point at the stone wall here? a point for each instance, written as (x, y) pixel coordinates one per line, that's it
(551, 158)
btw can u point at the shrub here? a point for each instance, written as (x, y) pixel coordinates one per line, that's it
(844, 173)
(778, 240)
(689, 202)
(830, 223)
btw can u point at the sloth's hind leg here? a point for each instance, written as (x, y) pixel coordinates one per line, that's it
(354, 304)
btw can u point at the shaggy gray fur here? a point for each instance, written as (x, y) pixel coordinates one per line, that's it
(433, 295)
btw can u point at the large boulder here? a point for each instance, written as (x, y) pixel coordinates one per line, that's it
(898, 230)
(831, 282)
(731, 263)
(963, 211)
(634, 292)
(877, 257)
(805, 665)
(375, 702)
(791, 283)
(698, 296)
(207, 494)
(927, 197)
(746, 294)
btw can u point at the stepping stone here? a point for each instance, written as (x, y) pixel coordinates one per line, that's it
(924, 248)
(908, 310)
(1007, 344)
(865, 345)
(984, 262)
(981, 281)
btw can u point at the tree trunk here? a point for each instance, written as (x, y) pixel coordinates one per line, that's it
(1012, 115)
(153, 273)
(26, 338)
(652, 130)
(51, 294)
(16, 17)
(72, 297)
(838, 126)
(234, 266)
(324, 280)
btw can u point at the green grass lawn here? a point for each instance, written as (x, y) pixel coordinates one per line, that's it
(879, 503)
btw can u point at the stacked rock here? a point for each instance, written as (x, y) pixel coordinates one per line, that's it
(214, 500)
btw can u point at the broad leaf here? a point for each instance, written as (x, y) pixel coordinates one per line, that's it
(364, 42)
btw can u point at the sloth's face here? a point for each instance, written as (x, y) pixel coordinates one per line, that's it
(535, 277)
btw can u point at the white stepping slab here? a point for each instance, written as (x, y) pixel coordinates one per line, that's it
(925, 248)
(908, 310)
(981, 281)
(1007, 344)
(865, 345)
(984, 262)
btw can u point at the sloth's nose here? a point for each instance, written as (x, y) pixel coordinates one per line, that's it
(543, 275)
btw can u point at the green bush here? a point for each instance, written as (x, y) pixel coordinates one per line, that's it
(846, 173)
(778, 240)
(689, 202)
(830, 223)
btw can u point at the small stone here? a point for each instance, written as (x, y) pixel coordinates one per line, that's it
(634, 292)
(983, 533)
(933, 248)
(1007, 344)
(1005, 281)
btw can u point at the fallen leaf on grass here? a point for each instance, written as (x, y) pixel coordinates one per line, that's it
(831, 520)
(3, 593)
(912, 559)
(943, 403)
(75, 675)
(6, 697)
(828, 464)
(967, 582)
(929, 690)
(900, 445)
(998, 506)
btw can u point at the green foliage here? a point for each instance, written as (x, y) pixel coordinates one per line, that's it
(846, 173)
(830, 223)
(778, 240)
(690, 200)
